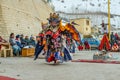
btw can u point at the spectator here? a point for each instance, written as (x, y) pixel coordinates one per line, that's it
(32, 41)
(16, 48)
(80, 47)
(115, 47)
(31, 37)
(18, 41)
(112, 39)
(87, 45)
(27, 41)
(3, 42)
(22, 40)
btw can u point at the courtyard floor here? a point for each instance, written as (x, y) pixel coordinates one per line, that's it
(24, 68)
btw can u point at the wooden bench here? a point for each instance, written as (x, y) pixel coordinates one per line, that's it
(6, 50)
(28, 52)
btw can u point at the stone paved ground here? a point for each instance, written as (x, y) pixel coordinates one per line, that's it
(27, 69)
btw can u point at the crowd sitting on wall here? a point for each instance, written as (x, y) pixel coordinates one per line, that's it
(18, 42)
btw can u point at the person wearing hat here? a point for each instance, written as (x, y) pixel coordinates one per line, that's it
(18, 41)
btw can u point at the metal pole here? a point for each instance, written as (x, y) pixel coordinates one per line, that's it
(109, 25)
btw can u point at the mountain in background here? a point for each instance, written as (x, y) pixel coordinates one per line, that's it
(86, 5)
(90, 6)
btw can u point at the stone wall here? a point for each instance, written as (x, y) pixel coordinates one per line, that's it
(22, 16)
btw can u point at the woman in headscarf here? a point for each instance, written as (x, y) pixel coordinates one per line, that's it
(115, 47)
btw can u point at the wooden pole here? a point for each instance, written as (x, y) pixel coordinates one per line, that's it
(109, 25)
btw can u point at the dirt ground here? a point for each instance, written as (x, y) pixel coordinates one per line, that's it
(24, 68)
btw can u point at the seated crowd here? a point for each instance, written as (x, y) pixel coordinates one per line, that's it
(18, 42)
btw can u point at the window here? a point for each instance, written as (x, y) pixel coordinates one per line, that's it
(87, 22)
